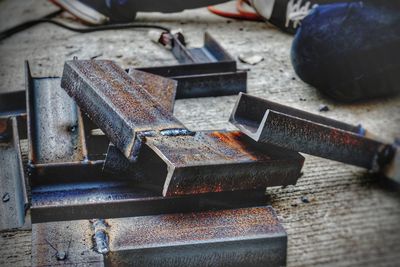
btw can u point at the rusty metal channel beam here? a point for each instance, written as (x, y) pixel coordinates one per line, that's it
(239, 237)
(208, 162)
(118, 104)
(268, 122)
(58, 140)
(204, 79)
(14, 200)
(123, 198)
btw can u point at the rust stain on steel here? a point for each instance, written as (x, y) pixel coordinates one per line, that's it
(181, 228)
(161, 89)
(114, 101)
(74, 238)
(304, 132)
(213, 162)
(240, 237)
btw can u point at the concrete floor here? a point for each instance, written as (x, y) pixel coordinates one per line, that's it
(350, 219)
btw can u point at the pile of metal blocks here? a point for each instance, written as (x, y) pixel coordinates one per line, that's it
(115, 179)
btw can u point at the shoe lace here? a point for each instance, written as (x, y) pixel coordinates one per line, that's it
(296, 11)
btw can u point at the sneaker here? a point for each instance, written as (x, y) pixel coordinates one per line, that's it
(287, 14)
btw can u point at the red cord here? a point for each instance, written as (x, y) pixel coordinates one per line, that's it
(241, 14)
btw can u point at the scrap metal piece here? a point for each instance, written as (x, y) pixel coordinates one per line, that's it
(204, 79)
(268, 122)
(239, 237)
(56, 134)
(212, 51)
(206, 71)
(124, 111)
(114, 198)
(14, 200)
(161, 89)
(213, 162)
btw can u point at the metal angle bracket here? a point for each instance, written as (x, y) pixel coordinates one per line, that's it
(214, 161)
(118, 104)
(124, 198)
(208, 161)
(14, 199)
(205, 71)
(238, 237)
(204, 79)
(268, 122)
(212, 51)
(58, 134)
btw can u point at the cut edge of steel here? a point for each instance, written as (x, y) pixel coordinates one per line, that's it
(238, 237)
(213, 161)
(286, 127)
(14, 198)
(106, 93)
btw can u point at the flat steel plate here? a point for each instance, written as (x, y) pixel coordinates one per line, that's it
(238, 237)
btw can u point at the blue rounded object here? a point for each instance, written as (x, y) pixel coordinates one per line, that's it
(350, 51)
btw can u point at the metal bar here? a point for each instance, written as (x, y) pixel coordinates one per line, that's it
(124, 111)
(213, 162)
(212, 51)
(239, 237)
(215, 49)
(56, 134)
(123, 198)
(204, 79)
(14, 200)
(192, 69)
(161, 89)
(211, 85)
(268, 122)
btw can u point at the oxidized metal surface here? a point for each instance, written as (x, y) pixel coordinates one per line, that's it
(115, 198)
(239, 237)
(268, 122)
(213, 162)
(13, 196)
(204, 79)
(163, 90)
(56, 134)
(64, 243)
(55, 125)
(124, 111)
